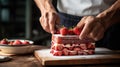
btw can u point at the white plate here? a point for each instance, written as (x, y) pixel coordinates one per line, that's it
(17, 49)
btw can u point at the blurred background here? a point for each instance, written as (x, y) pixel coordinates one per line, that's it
(19, 19)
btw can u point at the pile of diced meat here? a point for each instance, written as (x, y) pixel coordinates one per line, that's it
(70, 45)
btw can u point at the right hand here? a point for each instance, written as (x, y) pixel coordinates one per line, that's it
(48, 20)
(92, 28)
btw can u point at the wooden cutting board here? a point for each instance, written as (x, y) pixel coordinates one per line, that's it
(101, 56)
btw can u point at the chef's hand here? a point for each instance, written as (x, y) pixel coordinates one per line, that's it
(49, 17)
(92, 28)
(48, 20)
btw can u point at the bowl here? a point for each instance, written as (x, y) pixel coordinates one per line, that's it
(17, 49)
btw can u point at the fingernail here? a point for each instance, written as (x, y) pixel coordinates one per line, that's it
(52, 32)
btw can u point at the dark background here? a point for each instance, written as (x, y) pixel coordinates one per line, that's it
(19, 19)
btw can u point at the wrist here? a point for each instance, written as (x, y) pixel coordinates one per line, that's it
(44, 5)
(105, 18)
(110, 15)
(47, 7)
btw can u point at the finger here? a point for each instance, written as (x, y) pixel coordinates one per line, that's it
(43, 24)
(46, 20)
(83, 19)
(85, 31)
(46, 23)
(81, 23)
(41, 20)
(87, 28)
(99, 36)
(52, 18)
(95, 31)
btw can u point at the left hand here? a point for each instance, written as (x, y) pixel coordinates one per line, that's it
(93, 28)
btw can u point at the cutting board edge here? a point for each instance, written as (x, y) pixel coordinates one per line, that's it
(54, 62)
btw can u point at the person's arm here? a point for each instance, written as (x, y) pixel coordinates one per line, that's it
(111, 15)
(44, 5)
(95, 26)
(49, 16)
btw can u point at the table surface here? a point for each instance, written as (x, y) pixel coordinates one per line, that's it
(29, 60)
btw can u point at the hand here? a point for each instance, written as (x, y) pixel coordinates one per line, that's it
(93, 28)
(49, 17)
(48, 20)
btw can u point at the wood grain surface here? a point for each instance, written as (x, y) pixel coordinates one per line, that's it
(24, 60)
